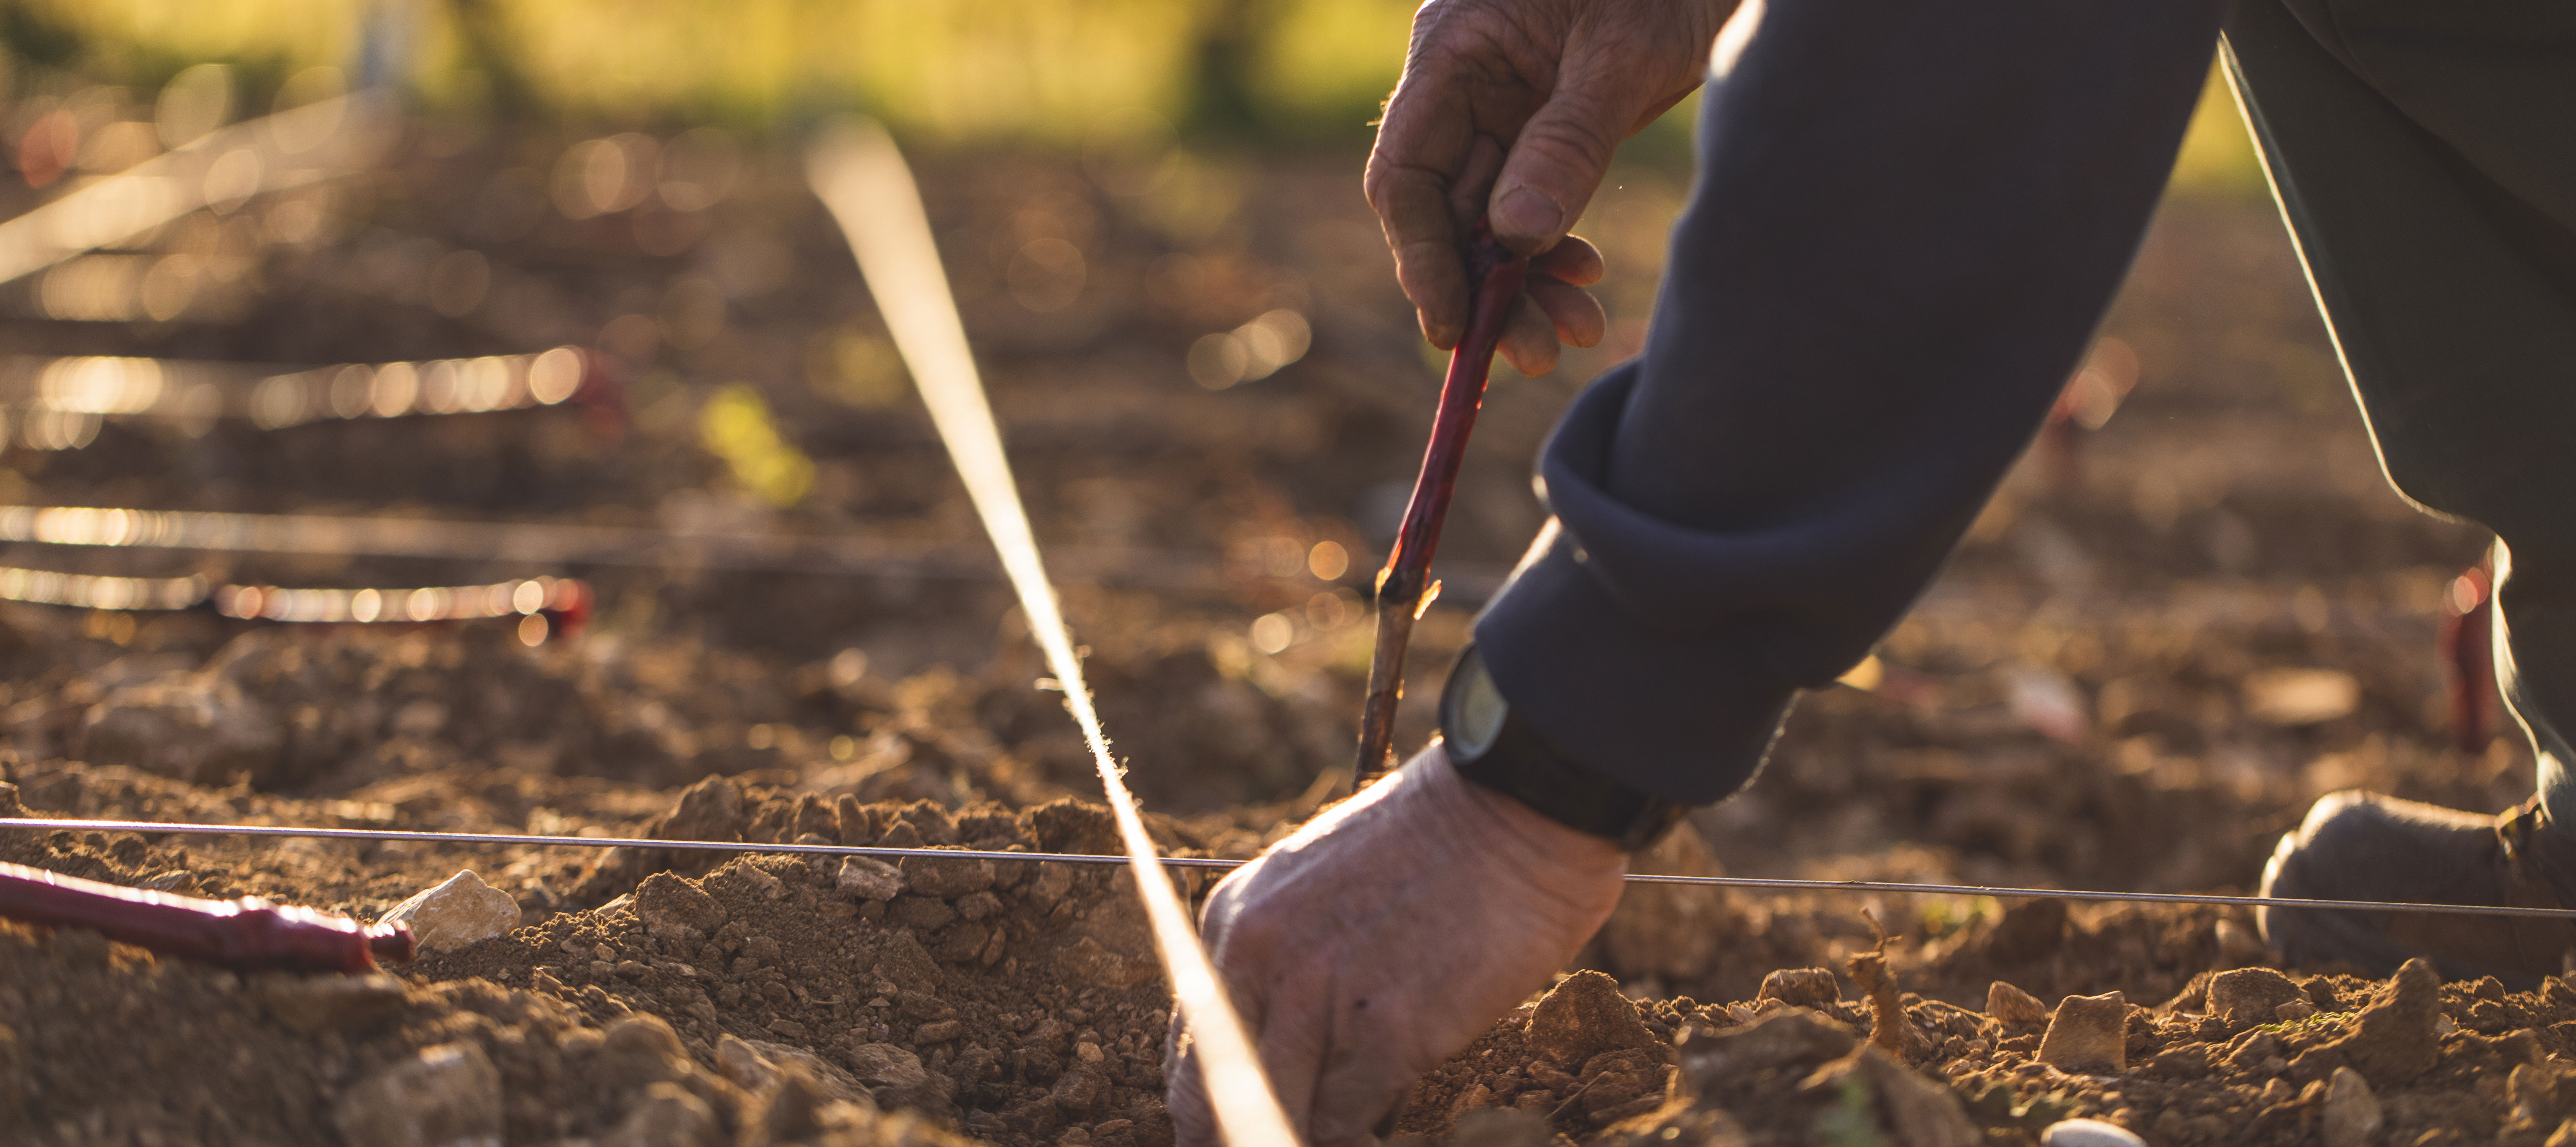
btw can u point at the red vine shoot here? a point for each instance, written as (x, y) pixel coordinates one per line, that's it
(1404, 588)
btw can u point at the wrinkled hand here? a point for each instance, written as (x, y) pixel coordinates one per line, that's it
(1510, 109)
(1383, 937)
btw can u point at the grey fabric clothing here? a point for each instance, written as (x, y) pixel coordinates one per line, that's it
(2425, 156)
(1909, 220)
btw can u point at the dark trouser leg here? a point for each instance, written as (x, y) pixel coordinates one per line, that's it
(2426, 163)
(1909, 219)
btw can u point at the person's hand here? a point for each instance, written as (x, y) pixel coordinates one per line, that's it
(1509, 110)
(1383, 937)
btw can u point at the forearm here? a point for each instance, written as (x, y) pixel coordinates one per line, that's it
(1909, 220)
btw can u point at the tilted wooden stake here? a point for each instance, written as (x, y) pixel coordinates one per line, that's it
(1404, 588)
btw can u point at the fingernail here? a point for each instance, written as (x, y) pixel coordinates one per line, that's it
(1526, 213)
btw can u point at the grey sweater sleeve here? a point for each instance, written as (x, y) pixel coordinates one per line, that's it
(1909, 219)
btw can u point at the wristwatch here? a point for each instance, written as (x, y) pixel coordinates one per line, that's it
(1492, 746)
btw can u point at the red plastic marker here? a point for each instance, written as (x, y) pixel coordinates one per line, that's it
(250, 934)
(1403, 584)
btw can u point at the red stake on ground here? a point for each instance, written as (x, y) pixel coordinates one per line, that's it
(1404, 587)
(249, 934)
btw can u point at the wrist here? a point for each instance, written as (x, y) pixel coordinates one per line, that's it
(1495, 748)
(1506, 835)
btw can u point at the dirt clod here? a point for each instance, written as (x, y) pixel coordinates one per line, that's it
(2394, 1039)
(1583, 1017)
(2249, 996)
(1804, 987)
(2014, 1007)
(674, 909)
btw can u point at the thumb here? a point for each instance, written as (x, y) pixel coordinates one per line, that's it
(1558, 161)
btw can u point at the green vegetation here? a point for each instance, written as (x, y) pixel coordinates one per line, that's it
(1048, 72)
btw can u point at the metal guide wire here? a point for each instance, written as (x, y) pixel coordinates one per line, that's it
(864, 181)
(567, 543)
(196, 393)
(1783, 884)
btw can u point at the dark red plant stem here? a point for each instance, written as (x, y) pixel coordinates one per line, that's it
(249, 934)
(1401, 586)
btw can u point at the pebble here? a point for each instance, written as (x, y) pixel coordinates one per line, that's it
(2088, 1035)
(2088, 1133)
(870, 879)
(447, 1096)
(460, 912)
(2352, 1115)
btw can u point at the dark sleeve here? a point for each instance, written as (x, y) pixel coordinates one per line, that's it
(1910, 217)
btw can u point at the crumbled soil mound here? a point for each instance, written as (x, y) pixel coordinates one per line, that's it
(2462, 1062)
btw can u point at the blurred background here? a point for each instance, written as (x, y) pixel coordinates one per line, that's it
(336, 258)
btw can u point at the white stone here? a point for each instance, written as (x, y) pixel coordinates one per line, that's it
(2352, 1116)
(447, 1096)
(462, 911)
(2088, 1133)
(870, 879)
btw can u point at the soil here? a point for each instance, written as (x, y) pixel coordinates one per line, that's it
(2163, 640)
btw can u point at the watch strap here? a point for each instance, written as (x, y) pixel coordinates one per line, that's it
(1519, 762)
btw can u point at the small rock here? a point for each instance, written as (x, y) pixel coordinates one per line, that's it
(446, 1096)
(460, 912)
(870, 879)
(668, 1116)
(1583, 1017)
(2014, 1007)
(1080, 1089)
(2089, 1035)
(316, 1004)
(672, 907)
(1804, 987)
(2249, 996)
(180, 883)
(2088, 1133)
(2352, 1116)
(2294, 1011)
(937, 1031)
